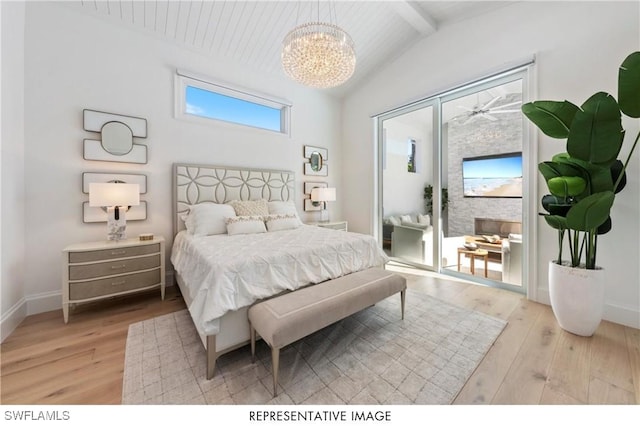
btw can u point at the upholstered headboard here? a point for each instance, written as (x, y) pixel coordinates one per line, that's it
(193, 184)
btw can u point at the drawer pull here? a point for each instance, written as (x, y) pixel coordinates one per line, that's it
(121, 282)
(118, 267)
(118, 252)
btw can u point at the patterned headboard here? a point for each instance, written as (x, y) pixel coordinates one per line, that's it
(193, 184)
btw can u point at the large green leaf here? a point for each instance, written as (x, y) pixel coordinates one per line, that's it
(556, 205)
(553, 118)
(605, 227)
(629, 85)
(596, 133)
(590, 212)
(567, 186)
(554, 169)
(598, 177)
(617, 168)
(557, 222)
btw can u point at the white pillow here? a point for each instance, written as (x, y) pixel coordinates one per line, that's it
(245, 225)
(250, 207)
(205, 219)
(282, 222)
(424, 219)
(280, 207)
(394, 220)
(406, 218)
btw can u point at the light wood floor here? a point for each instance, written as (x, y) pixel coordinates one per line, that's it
(532, 362)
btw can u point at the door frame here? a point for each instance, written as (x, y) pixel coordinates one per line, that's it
(525, 72)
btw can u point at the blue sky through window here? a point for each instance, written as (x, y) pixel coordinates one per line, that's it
(213, 105)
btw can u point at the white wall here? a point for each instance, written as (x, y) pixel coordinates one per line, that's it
(12, 209)
(74, 61)
(578, 46)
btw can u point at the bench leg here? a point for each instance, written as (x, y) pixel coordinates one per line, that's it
(402, 299)
(212, 355)
(252, 334)
(275, 360)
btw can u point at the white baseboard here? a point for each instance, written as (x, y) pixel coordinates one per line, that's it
(40, 303)
(612, 313)
(12, 318)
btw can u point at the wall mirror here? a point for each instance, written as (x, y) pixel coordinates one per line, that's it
(315, 161)
(117, 138)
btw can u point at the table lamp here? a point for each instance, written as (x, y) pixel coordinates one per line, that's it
(116, 198)
(323, 195)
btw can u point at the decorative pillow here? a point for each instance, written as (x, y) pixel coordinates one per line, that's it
(415, 225)
(406, 218)
(280, 207)
(250, 207)
(424, 219)
(394, 220)
(245, 225)
(206, 219)
(282, 222)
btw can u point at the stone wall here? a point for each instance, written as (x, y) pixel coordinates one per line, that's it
(480, 137)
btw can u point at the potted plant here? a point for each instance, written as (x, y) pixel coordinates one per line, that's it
(583, 182)
(428, 197)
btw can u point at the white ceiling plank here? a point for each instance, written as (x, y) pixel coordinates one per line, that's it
(192, 22)
(416, 17)
(138, 9)
(204, 14)
(250, 34)
(223, 24)
(212, 24)
(127, 11)
(269, 55)
(159, 18)
(171, 18)
(238, 22)
(182, 22)
(263, 37)
(150, 12)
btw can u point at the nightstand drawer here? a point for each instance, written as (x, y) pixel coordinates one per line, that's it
(101, 269)
(106, 254)
(113, 285)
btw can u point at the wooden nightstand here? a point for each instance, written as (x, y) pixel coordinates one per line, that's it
(97, 270)
(334, 225)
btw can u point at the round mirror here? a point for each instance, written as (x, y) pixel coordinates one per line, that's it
(117, 138)
(316, 161)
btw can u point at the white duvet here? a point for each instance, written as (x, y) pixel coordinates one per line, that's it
(225, 273)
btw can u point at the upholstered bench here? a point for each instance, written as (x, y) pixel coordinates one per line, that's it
(287, 318)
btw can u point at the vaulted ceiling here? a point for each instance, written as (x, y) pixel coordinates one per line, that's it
(251, 32)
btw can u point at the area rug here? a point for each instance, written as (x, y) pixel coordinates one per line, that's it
(372, 357)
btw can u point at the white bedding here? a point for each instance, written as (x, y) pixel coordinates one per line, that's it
(225, 273)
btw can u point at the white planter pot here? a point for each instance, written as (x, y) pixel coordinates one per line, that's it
(577, 297)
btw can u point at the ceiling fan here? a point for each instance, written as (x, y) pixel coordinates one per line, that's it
(487, 110)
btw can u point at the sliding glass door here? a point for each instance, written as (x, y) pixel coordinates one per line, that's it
(482, 170)
(407, 153)
(452, 182)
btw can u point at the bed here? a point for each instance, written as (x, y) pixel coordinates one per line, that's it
(221, 275)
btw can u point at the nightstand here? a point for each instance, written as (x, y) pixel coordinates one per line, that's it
(334, 225)
(98, 270)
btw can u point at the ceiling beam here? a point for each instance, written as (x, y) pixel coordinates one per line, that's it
(416, 17)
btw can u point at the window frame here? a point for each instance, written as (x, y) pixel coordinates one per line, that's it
(183, 79)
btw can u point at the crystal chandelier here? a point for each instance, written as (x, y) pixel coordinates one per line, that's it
(318, 55)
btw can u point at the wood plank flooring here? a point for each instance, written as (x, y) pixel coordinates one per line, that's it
(533, 361)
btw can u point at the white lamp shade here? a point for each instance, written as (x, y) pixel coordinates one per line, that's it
(113, 194)
(323, 194)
